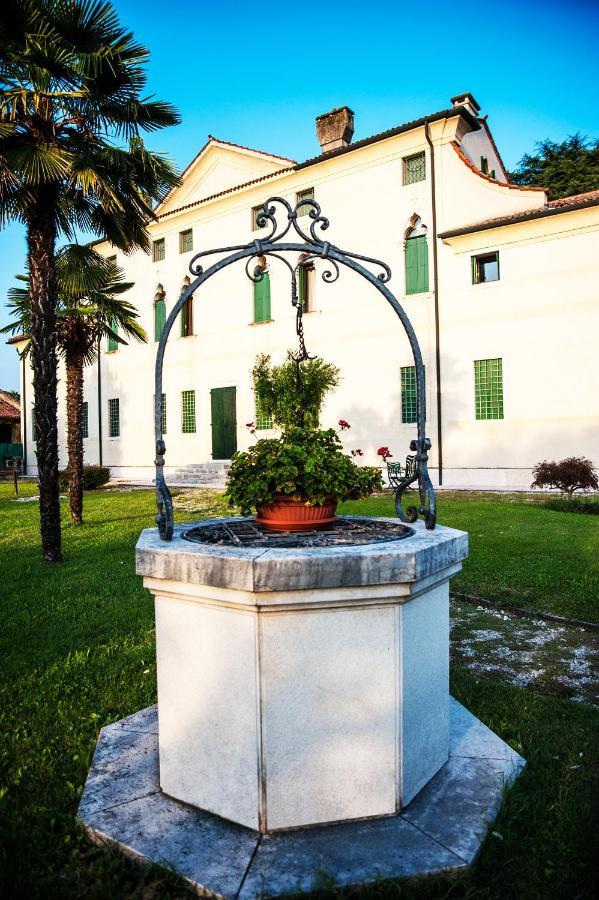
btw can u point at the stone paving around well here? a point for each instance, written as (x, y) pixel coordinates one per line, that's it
(442, 829)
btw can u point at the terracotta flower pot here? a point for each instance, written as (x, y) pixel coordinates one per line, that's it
(285, 513)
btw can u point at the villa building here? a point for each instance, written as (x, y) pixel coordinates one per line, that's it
(501, 285)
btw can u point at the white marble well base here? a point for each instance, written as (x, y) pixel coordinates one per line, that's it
(441, 830)
(301, 686)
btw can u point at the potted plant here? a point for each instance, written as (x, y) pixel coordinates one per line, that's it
(295, 481)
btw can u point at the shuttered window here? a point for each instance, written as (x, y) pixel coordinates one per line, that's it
(488, 388)
(308, 194)
(409, 395)
(414, 168)
(159, 317)
(186, 240)
(304, 288)
(263, 422)
(188, 412)
(85, 420)
(112, 342)
(256, 210)
(158, 250)
(262, 299)
(484, 165)
(114, 418)
(416, 265)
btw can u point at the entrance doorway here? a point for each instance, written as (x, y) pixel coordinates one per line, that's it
(223, 405)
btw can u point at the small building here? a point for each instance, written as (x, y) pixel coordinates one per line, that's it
(10, 428)
(500, 283)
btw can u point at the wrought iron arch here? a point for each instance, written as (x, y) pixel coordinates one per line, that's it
(311, 249)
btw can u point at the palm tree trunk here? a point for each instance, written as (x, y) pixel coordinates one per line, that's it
(74, 367)
(41, 239)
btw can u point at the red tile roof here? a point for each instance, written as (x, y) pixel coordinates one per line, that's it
(513, 187)
(552, 208)
(9, 407)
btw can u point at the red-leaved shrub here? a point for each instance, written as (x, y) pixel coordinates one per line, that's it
(576, 473)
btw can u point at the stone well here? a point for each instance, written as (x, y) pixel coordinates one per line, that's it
(302, 692)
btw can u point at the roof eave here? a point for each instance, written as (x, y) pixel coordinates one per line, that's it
(522, 218)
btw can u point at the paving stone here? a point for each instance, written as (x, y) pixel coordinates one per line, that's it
(210, 852)
(351, 853)
(442, 829)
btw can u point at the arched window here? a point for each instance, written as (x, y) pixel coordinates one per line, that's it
(416, 256)
(186, 311)
(159, 311)
(262, 295)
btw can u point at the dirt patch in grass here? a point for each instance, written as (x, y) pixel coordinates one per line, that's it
(551, 658)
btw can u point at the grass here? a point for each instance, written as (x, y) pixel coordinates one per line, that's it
(521, 553)
(77, 646)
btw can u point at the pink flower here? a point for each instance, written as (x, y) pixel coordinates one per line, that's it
(384, 453)
(343, 425)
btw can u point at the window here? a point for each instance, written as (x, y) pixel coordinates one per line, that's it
(304, 287)
(416, 257)
(114, 418)
(256, 210)
(185, 241)
(484, 165)
(158, 250)
(187, 318)
(85, 421)
(163, 421)
(188, 412)
(485, 268)
(409, 395)
(414, 168)
(488, 388)
(159, 312)
(112, 341)
(262, 299)
(308, 194)
(263, 422)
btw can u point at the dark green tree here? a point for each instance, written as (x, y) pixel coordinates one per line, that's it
(72, 111)
(565, 169)
(89, 308)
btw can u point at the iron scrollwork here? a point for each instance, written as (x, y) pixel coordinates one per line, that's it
(311, 248)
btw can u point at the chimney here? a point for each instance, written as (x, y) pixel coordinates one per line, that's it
(468, 101)
(335, 129)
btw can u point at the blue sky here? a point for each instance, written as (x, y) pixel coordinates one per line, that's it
(258, 75)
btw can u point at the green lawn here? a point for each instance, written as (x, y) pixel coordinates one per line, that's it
(521, 553)
(77, 649)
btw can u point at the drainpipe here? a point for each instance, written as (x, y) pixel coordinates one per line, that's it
(99, 403)
(436, 296)
(24, 422)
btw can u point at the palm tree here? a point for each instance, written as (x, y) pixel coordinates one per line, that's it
(71, 91)
(89, 309)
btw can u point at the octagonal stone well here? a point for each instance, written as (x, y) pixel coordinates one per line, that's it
(301, 686)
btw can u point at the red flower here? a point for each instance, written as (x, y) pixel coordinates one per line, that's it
(384, 453)
(343, 424)
(250, 425)
(357, 452)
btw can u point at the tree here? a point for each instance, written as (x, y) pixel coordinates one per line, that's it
(89, 308)
(565, 169)
(71, 83)
(293, 393)
(576, 473)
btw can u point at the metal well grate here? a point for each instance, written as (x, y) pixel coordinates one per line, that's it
(344, 531)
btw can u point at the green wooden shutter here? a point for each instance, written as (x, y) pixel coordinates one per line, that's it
(112, 343)
(159, 318)
(262, 299)
(416, 265)
(302, 278)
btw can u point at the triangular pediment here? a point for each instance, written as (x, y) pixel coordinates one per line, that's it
(220, 166)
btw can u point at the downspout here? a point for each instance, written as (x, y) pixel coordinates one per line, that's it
(24, 423)
(99, 404)
(436, 297)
